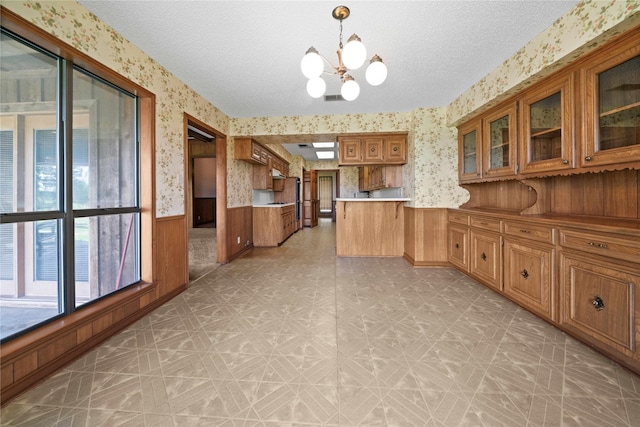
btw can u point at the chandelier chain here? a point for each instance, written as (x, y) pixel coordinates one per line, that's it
(341, 34)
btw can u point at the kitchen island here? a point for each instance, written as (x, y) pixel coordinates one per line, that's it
(370, 227)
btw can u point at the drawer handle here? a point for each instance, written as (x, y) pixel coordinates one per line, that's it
(395, 149)
(483, 256)
(597, 302)
(525, 231)
(588, 158)
(565, 161)
(600, 245)
(457, 245)
(372, 149)
(525, 274)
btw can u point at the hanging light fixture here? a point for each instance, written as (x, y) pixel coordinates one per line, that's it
(350, 57)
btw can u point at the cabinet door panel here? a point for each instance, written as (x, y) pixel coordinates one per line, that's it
(612, 107)
(528, 277)
(459, 247)
(395, 149)
(485, 258)
(499, 143)
(470, 152)
(372, 150)
(547, 128)
(600, 300)
(349, 150)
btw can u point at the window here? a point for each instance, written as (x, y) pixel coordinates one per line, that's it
(69, 189)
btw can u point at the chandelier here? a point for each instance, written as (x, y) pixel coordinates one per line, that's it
(350, 57)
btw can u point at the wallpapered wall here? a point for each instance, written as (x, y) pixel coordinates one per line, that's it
(430, 177)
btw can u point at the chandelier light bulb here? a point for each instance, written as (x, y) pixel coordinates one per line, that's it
(311, 64)
(376, 72)
(350, 88)
(354, 53)
(316, 87)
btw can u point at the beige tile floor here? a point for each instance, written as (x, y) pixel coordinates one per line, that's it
(295, 336)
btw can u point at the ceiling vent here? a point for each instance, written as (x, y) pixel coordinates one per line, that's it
(333, 98)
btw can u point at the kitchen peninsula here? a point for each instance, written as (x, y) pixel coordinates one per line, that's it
(370, 227)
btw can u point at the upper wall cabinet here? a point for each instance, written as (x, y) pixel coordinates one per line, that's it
(612, 107)
(499, 143)
(372, 150)
(470, 151)
(546, 128)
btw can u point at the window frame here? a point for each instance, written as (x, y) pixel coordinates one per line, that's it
(68, 61)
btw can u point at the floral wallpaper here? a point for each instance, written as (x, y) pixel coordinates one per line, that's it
(585, 27)
(430, 177)
(435, 161)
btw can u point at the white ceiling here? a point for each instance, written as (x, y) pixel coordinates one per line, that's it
(244, 56)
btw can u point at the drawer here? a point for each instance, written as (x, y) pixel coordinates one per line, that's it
(614, 246)
(485, 223)
(599, 300)
(528, 231)
(458, 217)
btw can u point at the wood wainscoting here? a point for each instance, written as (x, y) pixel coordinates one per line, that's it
(425, 236)
(239, 225)
(172, 263)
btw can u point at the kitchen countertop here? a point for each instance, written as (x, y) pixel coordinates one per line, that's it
(273, 205)
(374, 199)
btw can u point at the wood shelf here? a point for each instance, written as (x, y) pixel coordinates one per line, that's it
(620, 109)
(547, 132)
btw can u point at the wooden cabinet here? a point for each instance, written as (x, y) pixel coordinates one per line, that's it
(273, 225)
(372, 150)
(612, 106)
(485, 261)
(470, 152)
(499, 143)
(264, 161)
(600, 303)
(458, 244)
(378, 177)
(262, 178)
(369, 227)
(583, 118)
(546, 131)
(528, 276)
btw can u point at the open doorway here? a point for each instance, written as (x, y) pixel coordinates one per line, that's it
(205, 196)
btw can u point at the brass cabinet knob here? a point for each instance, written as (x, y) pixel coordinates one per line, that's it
(588, 158)
(565, 161)
(598, 304)
(525, 274)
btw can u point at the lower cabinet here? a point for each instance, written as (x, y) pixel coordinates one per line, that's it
(458, 243)
(600, 302)
(529, 278)
(485, 258)
(583, 279)
(273, 225)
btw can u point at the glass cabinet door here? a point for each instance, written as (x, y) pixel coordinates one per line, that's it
(469, 153)
(613, 109)
(500, 142)
(546, 119)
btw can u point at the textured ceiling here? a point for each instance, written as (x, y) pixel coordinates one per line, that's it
(244, 56)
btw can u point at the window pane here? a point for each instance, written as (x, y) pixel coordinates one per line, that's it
(105, 265)
(499, 148)
(29, 289)
(29, 92)
(105, 156)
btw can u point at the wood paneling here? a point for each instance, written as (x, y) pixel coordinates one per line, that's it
(425, 236)
(172, 257)
(239, 224)
(510, 195)
(369, 228)
(610, 194)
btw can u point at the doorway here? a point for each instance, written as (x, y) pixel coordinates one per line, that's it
(205, 196)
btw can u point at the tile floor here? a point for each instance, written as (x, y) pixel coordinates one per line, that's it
(294, 336)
